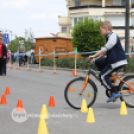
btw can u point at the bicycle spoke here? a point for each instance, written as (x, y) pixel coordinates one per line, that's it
(74, 99)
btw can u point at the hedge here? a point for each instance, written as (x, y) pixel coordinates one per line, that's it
(81, 63)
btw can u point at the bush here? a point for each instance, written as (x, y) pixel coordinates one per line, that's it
(81, 63)
(47, 61)
(64, 62)
(86, 35)
(130, 65)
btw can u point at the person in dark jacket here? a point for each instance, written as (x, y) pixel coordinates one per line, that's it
(115, 58)
(3, 56)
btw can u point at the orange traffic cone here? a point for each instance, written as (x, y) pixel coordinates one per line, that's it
(3, 99)
(7, 91)
(51, 102)
(11, 67)
(19, 68)
(73, 72)
(19, 105)
(69, 89)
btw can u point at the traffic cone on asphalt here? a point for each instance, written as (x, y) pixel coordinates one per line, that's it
(19, 68)
(7, 91)
(84, 108)
(42, 129)
(123, 109)
(69, 89)
(3, 99)
(44, 113)
(51, 102)
(11, 67)
(90, 116)
(73, 72)
(19, 105)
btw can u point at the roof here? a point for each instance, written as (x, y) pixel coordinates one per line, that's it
(52, 38)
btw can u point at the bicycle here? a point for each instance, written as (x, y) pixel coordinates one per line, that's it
(84, 87)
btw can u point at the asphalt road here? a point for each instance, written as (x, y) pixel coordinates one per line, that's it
(35, 89)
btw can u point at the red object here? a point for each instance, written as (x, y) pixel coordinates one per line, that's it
(1, 45)
(53, 34)
(69, 89)
(51, 102)
(3, 99)
(7, 91)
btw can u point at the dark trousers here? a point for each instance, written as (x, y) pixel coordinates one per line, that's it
(106, 71)
(2, 66)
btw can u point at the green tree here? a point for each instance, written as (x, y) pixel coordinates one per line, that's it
(15, 44)
(29, 40)
(86, 35)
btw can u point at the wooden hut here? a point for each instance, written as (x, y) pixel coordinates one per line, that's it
(57, 44)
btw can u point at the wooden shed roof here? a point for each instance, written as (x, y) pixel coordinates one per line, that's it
(53, 38)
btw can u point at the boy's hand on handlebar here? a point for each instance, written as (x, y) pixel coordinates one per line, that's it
(91, 58)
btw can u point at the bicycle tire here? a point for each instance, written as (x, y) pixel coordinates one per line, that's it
(120, 87)
(92, 84)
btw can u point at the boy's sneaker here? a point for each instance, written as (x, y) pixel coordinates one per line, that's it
(114, 96)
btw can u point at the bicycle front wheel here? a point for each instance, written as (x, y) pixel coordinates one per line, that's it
(128, 98)
(73, 89)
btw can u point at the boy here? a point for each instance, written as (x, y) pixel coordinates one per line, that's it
(114, 60)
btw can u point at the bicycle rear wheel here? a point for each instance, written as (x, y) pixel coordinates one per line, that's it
(72, 90)
(128, 98)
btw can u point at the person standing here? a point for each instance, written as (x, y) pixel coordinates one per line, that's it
(3, 56)
(12, 57)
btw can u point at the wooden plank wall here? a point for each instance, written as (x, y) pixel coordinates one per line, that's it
(59, 45)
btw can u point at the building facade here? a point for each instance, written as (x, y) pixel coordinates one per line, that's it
(112, 10)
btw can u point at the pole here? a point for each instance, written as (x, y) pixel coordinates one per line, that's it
(75, 62)
(127, 27)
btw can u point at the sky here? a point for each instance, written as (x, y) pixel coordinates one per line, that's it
(39, 15)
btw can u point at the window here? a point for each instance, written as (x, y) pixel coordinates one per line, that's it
(132, 1)
(77, 3)
(116, 2)
(64, 30)
(123, 2)
(132, 21)
(80, 19)
(96, 17)
(75, 21)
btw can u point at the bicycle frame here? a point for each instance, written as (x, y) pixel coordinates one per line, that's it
(112, 78)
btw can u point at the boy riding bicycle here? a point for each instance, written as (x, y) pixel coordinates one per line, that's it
(114, 60)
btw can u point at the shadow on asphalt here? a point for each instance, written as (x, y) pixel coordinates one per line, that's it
(109, 105)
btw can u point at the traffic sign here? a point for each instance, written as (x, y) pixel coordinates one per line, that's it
(6, 38)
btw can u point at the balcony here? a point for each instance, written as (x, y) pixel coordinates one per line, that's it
(65, 35)
(89, 10)
(64, 21)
